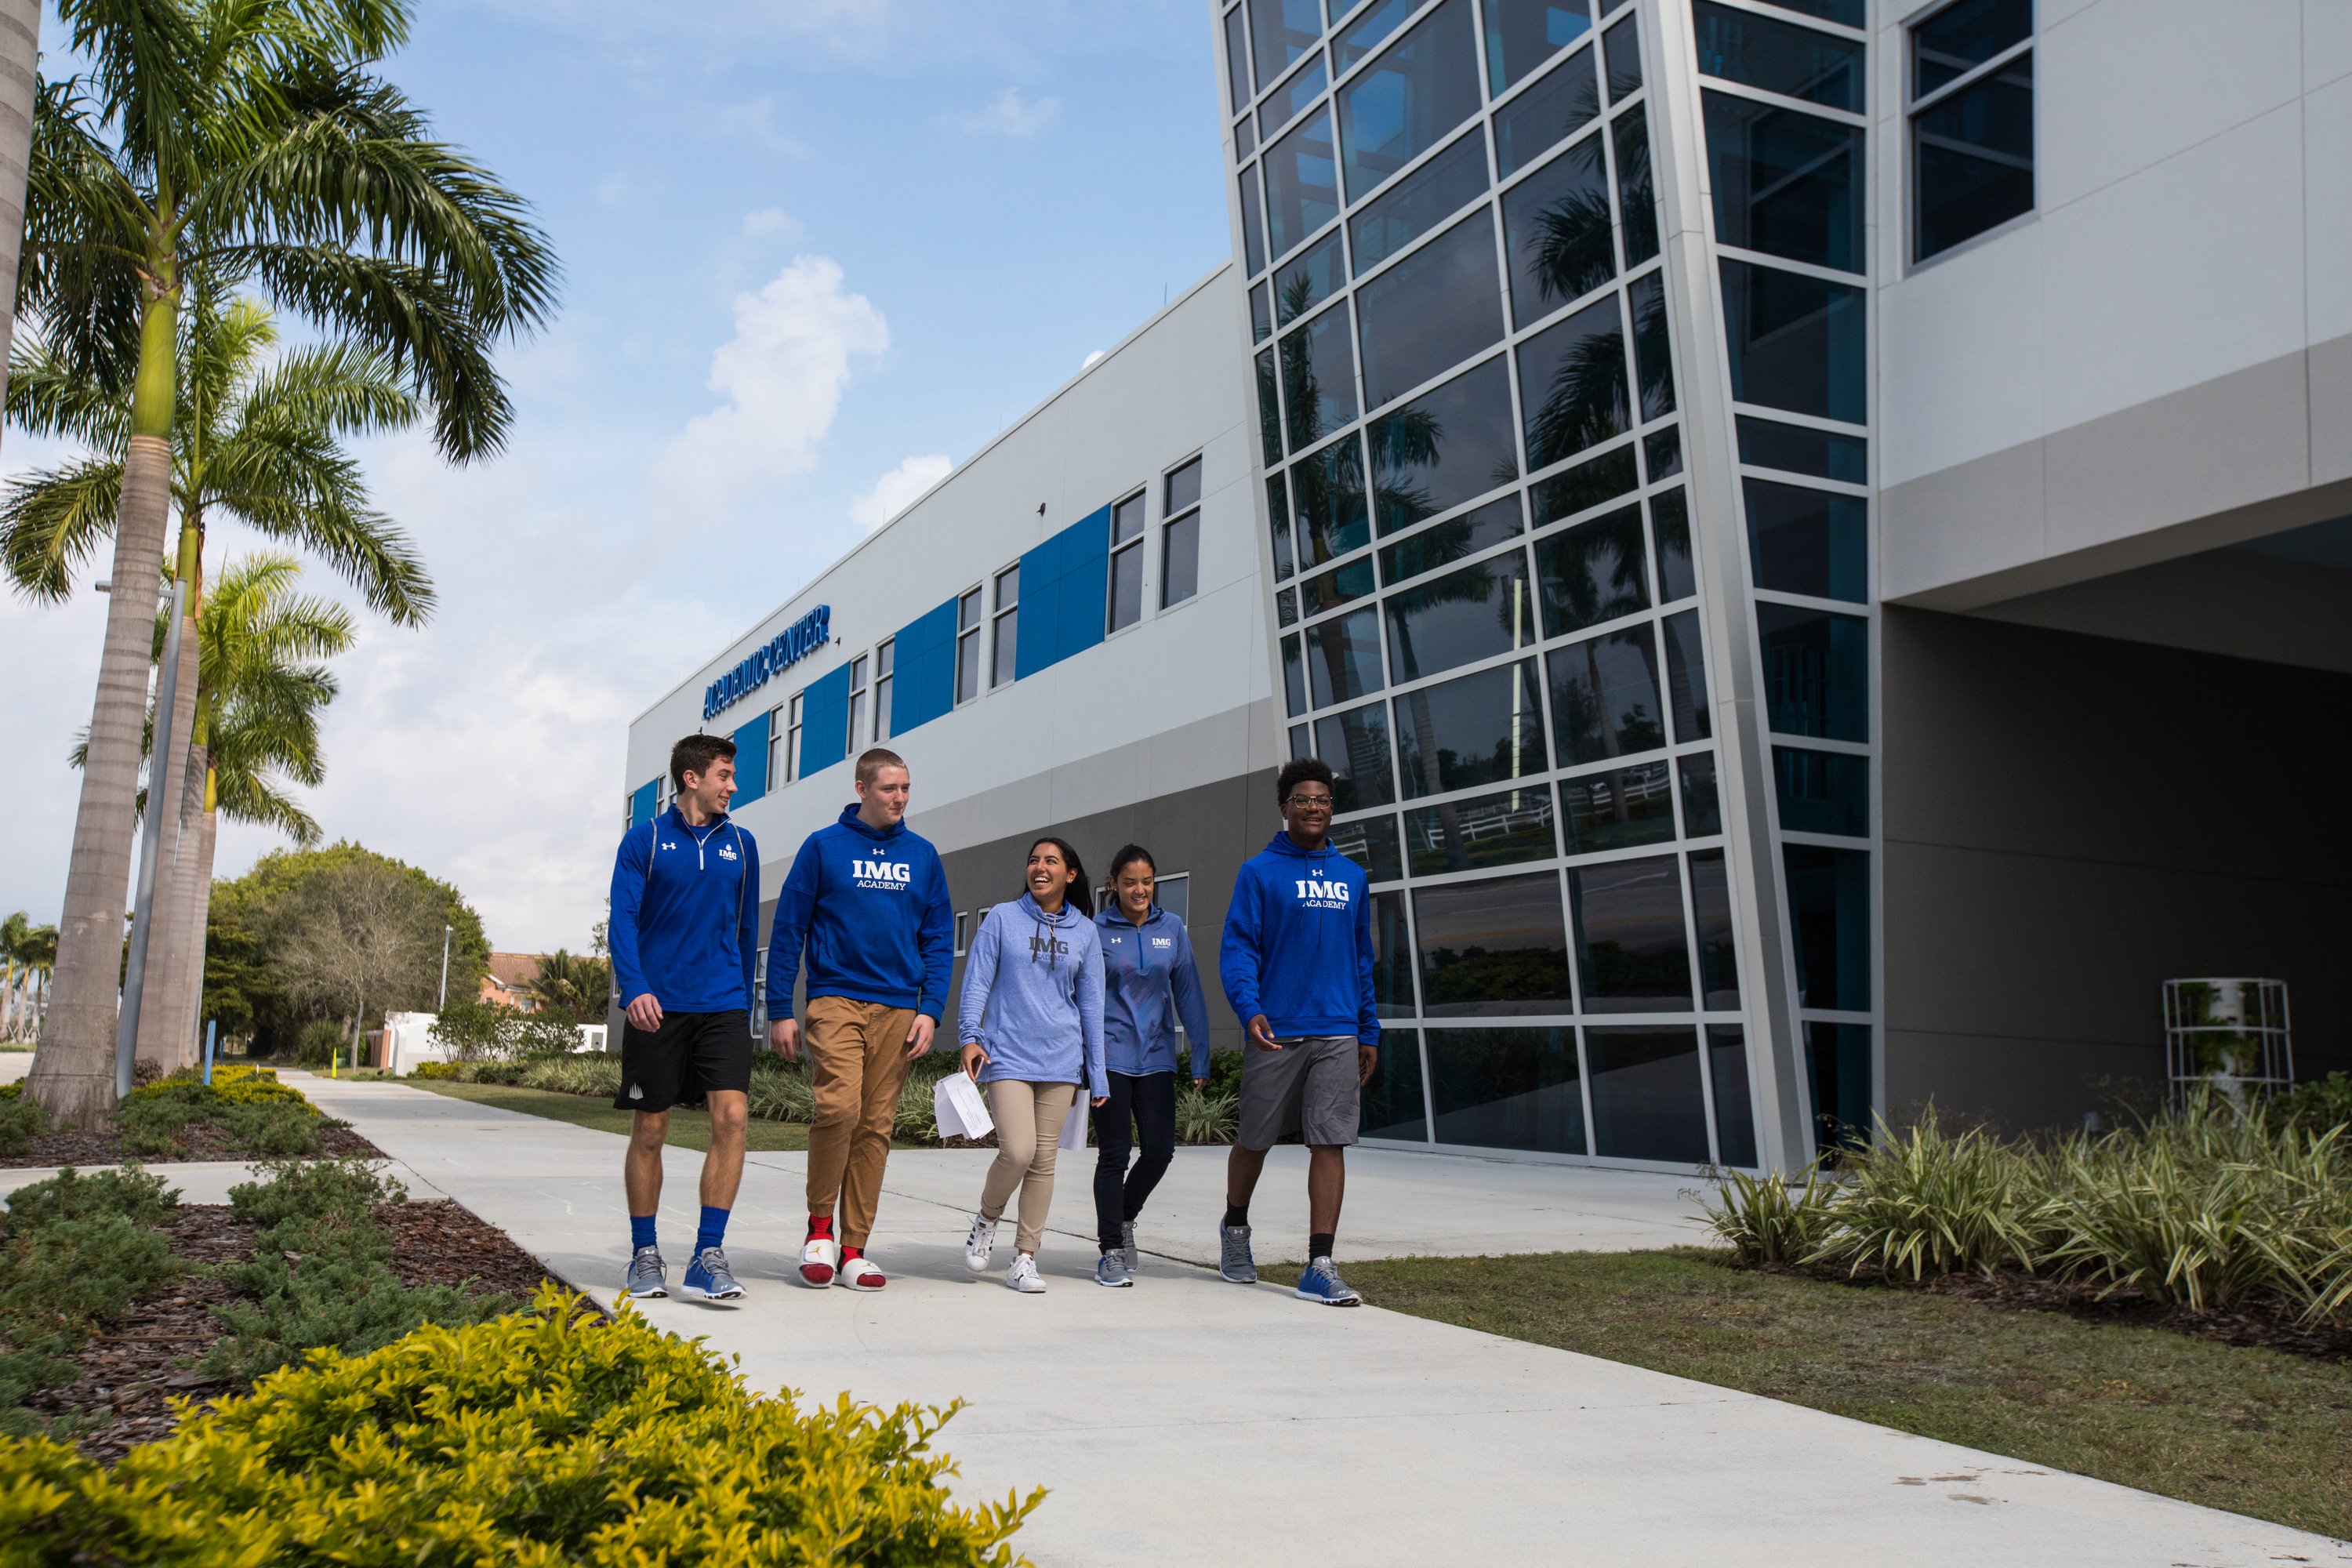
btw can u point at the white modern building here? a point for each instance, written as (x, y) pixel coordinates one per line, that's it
(1814, 535)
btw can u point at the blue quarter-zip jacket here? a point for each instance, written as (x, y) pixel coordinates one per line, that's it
(1145, 968)
(872, 908)
(686, 914)
(1298, 943)
(1033, 994)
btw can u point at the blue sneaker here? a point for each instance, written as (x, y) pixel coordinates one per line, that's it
(708, 1279)
(1321, 1282)
(1233, 1259)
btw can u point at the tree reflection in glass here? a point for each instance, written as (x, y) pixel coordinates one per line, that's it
(1468, 419)
(1319, 372)
(1593, 573)
(1327, 491)
(1581, 365)
(1604, 697)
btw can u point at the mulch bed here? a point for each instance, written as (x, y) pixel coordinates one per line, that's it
(131, 1371)
(198, 1140)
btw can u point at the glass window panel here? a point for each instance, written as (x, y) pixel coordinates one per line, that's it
(1622, 49)
(1281, 31)
(1849, 12)
(1648, 1101)
(1604, 697)
(1127, 519)
(1293, 95)
(1480, 729)
(1837, 1072)
(1329, 590)
(1392, 1106)
(1370, 30)
(1410, 98)
(1637, 204)
(1959, 37)
(1318, 274)
(1277, 517)
(1593, 573)
(1646, 298)
(1302, 189)
(1686, 679)
(1261, 314)
(1586, 485)
(1631, 954)
(1816, 672)
(1298, 745)
(1180, 559)
(968, 608)
(1572, 378)
(1702, 810)
(1473, 614)
(1452, 539)
(1807, 542)
(1286, 607)
(1005, 656)
(1338, 9)
(1393, 958)
(1319, 377)
(1245, 136)
(1492, 949)
(1796, 343)
(1825, 454)
(1449, 444)
(1293, 677)
(1663, 451)
(1371, 841)
(1126, 588)
(1523, 34)
(1786, 183)
(1252, 232)
(1547, 114)
(1356, 745)
(1718, 959)
(1343, 657)
(1482, 831)
(1973, 158)
(1557, 230)
(1828, 919)
(1269, 410)
(1329, 490)
(1779, 57)
(1621, 809)
(1670, 523)
(1822, 792)
(1237, 57)
(1420, 201)
(1180, 487)
(1436, 308)
(1508, 1089)
(968, 667)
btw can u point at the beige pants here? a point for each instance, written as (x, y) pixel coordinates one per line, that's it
(1029, 1118)
(858, 1052)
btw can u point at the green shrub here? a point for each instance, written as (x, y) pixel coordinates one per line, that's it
(542, 1035)
(539, 1438)
(784, 1095)
(21, 1121)
(2316, 1106)
(1923, 1200)
(915, 1122)
(1768, 1219)
(79, 1251)
(321, 1041)
(589, 1073)
(130, 1193)
(307, 1189)
(1205, 1115)
(272, 1127)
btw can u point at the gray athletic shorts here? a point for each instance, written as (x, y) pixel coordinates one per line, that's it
(1308, 1087)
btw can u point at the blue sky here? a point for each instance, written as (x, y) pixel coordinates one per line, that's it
(815, 250)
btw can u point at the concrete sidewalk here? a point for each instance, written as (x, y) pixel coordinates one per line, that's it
(1190, 1421)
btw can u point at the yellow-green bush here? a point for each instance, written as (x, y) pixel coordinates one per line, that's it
(541, 1438)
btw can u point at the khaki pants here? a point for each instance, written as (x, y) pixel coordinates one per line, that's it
(1029, 1118)
(858, 1054)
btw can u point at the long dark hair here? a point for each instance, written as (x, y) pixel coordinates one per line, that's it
(1078, 894)
(1128, 855)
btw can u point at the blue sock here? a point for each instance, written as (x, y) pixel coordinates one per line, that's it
(713, 1230)
(641, 1231)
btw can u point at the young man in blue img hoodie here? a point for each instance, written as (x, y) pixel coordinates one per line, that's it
(1297, 963)
(684, 934)
(867, 898)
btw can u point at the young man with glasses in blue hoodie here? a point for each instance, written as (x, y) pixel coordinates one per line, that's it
(684, 930)
(868, 900)
(1296, 962)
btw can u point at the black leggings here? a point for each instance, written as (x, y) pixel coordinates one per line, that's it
(1120, 1193)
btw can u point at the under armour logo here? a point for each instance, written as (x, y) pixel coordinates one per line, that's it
(636, 1092)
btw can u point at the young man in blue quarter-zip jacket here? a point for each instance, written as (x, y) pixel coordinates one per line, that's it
(684, 935)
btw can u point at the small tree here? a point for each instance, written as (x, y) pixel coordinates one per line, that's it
(359, 936)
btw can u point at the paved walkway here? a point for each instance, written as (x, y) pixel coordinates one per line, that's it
(1191, 1421)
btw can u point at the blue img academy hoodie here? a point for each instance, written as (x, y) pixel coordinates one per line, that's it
(1032, 995)
(686, 914)
(872, 908)
(1298, 943)
(1144, 968)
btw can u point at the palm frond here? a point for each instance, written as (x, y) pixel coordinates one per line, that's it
(47, 397)
(52, 520)
(85, 232)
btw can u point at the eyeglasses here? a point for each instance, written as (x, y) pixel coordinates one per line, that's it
(1309, 802)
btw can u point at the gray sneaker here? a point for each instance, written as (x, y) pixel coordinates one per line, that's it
(648, 1276)
(707, 1277)
(1110, 1270)
(1233, 1261)
(1126, 1252)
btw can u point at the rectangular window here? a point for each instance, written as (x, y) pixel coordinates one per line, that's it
(1547, 114)
(1282, 30)
(1343, 657)
(1329, 492)
(1237, 69)
(1807, 542)
(1261, 313)
(1451, 443)
(1302, 184)
(1670, 527)
(1252, 229)
(1391, 1103)
(1796, 343)
(1507, 1088)
(1371, 842)
(1411, 98)
(1718, 961)
(856, 705)
(1779, 57)
(1127, 562)
(1816, 672)
(1726, 1060)
(1589, 484)
(1686, 679)
(967, 668)
(1426, 198)
(1468, 614)
(1319, 377)
(1340, 585)
(1593, 573)
(1557, 230)
(1523, 34)
(886, 660)
(1452, 539)
(784, 743)
(1484, 728)
(1829, 915)
(1366, 33)
(1296, 94)
(1436, 308)
(1301, 285)
(1971, 121)
(1604, 697)
(1837, 1066)
(1393, 958)
(1631, 954)
(1786, 183)
(1702, 808)
(1619, 810)
(1647, 1103)
(1621, 54)
(1269, 410)
(1180, 536)
(1004, 659)
(1637, 203)
(1824, 454)
(1482, 831)
(1822, 792)
(1572, 383)
(963, 931)
(1495, 948)
(1356, 745)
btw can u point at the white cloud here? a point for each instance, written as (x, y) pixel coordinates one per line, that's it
(780, 378)
(772, 220)
(1010, 115)
(899, 489)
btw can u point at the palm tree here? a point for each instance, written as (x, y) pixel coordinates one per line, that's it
(20, 84)
(217, 144)
(573, 983)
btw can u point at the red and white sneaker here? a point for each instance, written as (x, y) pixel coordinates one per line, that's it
(819, 1257)
(860, 1274)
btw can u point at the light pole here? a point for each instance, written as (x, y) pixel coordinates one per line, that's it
(443, 1005)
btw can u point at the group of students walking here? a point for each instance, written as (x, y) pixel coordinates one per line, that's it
(1058, 1001)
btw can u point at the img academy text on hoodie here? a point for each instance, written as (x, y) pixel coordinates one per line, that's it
(871, 907)
(686, 914)
(1298, 943)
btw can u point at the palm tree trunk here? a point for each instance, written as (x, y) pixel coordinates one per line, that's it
(174, 781)
(20, 55)
(187, 1007)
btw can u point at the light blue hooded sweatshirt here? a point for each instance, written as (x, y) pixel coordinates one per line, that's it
(1032, 995)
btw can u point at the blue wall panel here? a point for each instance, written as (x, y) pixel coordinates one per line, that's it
(824, 721)
(642, 800)
(751, 761)
(1063, 582)
(1041, 586)
(922, 679)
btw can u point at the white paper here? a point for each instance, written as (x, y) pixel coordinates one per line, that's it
(1074, 1125)
(957, 1105)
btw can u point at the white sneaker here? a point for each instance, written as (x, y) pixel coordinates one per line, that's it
(1021, 1276)
(980, 1244)
(819, 1258)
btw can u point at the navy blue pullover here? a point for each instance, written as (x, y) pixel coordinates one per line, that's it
(873, 911)
(686, 914)
(1298, 943)
(1145, 968)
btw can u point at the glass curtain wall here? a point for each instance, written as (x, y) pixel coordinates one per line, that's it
(1480, 552)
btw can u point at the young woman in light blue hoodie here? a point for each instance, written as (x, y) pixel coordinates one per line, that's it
(1032, 1022)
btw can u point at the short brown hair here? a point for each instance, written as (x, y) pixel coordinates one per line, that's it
(695, 754)
(874, 759)
(1299, 770)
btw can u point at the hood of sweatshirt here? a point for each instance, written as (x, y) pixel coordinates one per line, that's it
(857, 824)
(1283, 844)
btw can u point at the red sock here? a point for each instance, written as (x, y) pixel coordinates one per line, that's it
(849, 1252)
(820, 1224)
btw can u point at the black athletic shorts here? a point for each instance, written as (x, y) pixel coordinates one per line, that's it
(681, 1062)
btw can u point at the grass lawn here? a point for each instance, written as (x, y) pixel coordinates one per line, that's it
(689, 1128)
(2253, 1431)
